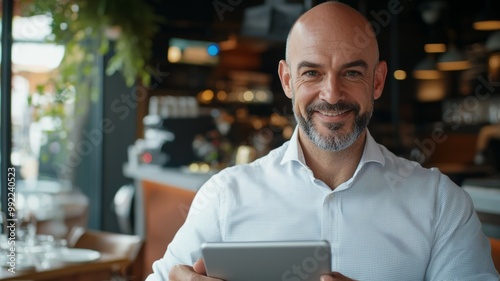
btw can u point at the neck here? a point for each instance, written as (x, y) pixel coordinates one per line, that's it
(332, 167)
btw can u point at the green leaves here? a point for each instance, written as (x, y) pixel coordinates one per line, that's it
(124, 29)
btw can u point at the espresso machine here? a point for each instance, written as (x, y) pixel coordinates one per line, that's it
(170, 128)
(171, 139)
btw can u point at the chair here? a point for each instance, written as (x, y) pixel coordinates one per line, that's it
(128, 246)
(166, 208)
(495, 252)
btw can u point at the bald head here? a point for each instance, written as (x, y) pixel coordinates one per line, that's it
(333, 75)
(334, 23)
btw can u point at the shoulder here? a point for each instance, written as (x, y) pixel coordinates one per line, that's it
(428, 186)
(413, 172)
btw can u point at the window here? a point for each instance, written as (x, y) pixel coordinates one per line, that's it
(44, 123)
(39, 114)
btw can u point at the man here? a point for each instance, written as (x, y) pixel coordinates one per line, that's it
(385, 217)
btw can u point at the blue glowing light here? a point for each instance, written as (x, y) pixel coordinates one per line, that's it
(213, 49)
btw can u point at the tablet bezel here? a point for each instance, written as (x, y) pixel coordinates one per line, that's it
(267, 260)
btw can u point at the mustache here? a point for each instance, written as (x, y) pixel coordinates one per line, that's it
(336, 107)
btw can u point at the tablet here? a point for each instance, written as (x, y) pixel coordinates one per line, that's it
(273, 261)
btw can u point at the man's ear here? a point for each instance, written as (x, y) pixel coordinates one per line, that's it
(379, 79)
(285, 77)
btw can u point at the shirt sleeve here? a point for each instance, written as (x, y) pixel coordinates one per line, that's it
(202, 224)
(460, 250)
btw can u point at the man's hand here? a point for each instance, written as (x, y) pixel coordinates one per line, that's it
(185, 272)
(198, 273)
(335, 276)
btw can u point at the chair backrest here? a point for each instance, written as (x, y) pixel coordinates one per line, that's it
(495, 252)
(166, 208)
(128, 246)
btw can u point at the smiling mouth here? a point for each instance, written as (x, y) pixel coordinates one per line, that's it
(333, 114)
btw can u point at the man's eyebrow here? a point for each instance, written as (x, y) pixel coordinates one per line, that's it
(308, 64)
(355, 63)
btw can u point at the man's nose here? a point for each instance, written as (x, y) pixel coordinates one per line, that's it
(332, 90)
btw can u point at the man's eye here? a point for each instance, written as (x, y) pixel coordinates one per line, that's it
(311, 73)
(353, 73)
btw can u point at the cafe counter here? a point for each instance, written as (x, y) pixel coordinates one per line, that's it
(178, 177)
(485, 193)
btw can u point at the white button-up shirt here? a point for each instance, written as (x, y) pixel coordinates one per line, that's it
(393, 220)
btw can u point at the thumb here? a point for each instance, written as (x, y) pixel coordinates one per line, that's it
(334, 276)
(199, 267)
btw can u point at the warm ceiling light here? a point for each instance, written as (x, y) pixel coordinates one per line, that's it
(400, 74)
(430, 90)
(487, 25)
(494, 61)
(453, 59)
(435, 48)
(427, 70)
(489, 18)
(453, 65)
(174, 54)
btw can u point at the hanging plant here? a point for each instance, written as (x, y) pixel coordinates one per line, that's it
(88, 29)
(124, 29)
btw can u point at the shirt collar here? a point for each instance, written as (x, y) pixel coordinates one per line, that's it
(371, 152)
(293, 152)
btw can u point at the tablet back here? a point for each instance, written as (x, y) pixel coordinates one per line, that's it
(267, 261)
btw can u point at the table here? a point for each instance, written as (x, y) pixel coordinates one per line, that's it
(101, 269)
(458, 172)
(485, 193)
(58, 207)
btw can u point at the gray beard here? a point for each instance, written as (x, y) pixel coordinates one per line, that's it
(337, 141)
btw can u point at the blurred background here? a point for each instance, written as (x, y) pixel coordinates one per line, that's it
(100, 98)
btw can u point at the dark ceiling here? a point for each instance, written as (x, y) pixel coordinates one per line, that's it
(215, 20)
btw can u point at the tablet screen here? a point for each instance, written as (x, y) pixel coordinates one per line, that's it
(267, 261)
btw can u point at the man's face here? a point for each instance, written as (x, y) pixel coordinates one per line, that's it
(333, 84)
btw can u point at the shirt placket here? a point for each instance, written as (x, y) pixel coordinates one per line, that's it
(329, 224)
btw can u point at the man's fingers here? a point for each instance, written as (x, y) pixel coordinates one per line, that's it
(181, 272)
(199, 267)
(335, 276)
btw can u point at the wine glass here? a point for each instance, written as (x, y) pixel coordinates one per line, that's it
(26, 228)
(26, 239)
(4, 245)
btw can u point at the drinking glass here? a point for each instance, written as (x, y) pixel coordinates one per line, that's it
(26, 228)
(4, 243)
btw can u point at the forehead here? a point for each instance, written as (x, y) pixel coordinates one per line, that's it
(338, 36)
(318, 43)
